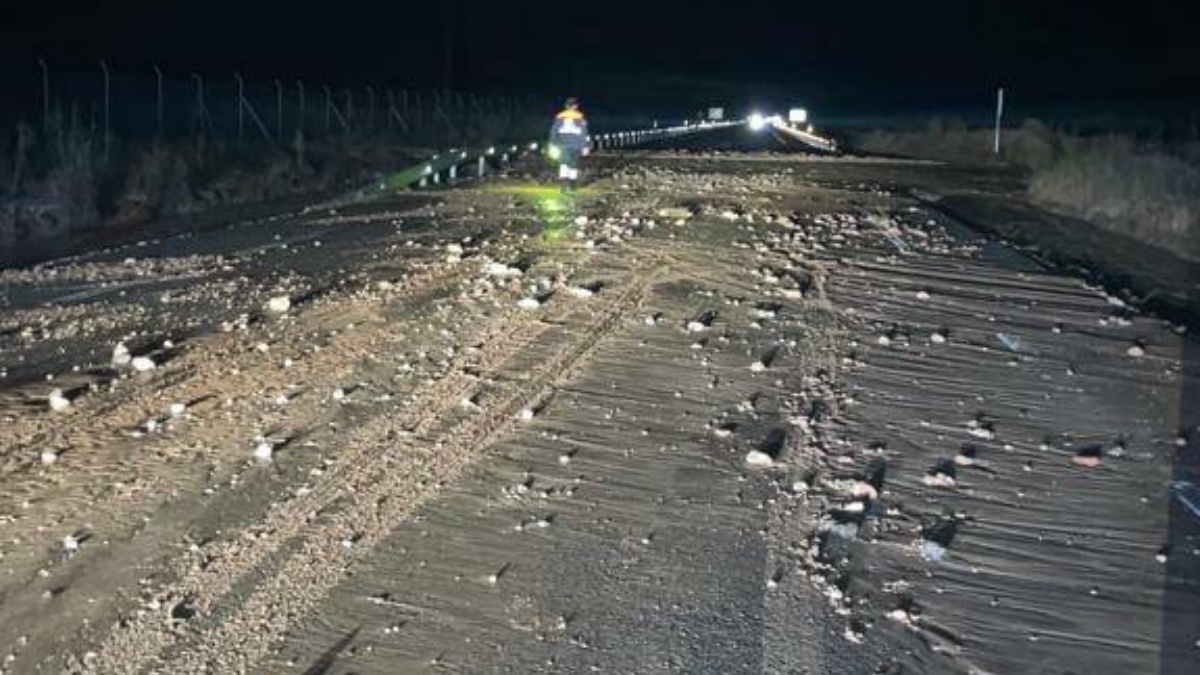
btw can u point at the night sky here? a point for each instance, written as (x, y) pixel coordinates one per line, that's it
(852, 57)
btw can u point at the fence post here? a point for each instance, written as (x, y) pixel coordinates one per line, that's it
(107, 112)
(300, 122)
(328, 108)
(241, 87)
(391, 101)
(279, 110)
(158, 75)
(370, 110)
(202, 117)
(45, 96)
(999, 115)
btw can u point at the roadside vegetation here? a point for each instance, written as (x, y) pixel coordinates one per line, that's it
(60, 181)
(1146, 188)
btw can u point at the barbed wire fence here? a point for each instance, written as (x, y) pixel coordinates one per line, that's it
(77, 139)
(108, 107)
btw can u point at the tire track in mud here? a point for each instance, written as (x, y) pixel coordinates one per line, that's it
(377, 487)
(201, 377)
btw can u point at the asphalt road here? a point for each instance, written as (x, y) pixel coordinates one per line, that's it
(721, 412)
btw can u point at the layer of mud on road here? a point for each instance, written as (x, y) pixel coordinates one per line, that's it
(716, 413)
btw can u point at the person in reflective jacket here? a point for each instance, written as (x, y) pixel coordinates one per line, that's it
(569, 141)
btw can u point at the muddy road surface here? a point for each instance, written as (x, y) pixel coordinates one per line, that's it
(715, 413)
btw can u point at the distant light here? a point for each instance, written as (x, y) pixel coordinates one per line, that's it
(797, 115)
(810, 128)
(757, 122)
(533, 146)
(554, 152)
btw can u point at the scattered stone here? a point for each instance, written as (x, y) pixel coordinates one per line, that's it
(501, 271)
(757, 459)
(529, 303)
(938, 479)
(121, 356)
(58, 402)
(263, 451)
(279, 304)
(143, 364)
(49, 457)
(932, 551)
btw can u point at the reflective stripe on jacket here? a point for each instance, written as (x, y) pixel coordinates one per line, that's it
(570, 130)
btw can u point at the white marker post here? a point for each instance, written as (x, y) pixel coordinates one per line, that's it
(999, 115)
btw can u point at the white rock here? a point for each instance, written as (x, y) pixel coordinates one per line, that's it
(279, 304)
(58, 402)
(931, 550)
(900, 616)
(1136, 351)
(121, 356)
(176, 410)
(696, 327)
(982, 433)
(758, 459)
(938, 480)
(501, 271)
(884, 341)
(525, 415)
(70, 543)
(581, 220)
(922, 295)
(49, 457)
(937, 339)
(143, 364)
(529, 303)
(580, 292)
(757, 367)
(263, 451)
(338, 394)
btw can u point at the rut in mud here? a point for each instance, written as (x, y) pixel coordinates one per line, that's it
(726, 414)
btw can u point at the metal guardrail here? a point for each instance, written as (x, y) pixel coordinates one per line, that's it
(455, 164)
(623, 139)
(808, 138)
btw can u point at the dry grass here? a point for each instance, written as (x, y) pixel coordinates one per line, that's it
(57, 181)
(1147, 190)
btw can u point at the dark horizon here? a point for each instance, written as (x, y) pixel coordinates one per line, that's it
(849, 60)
